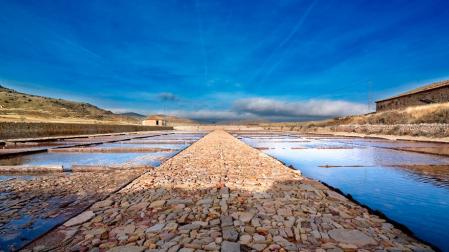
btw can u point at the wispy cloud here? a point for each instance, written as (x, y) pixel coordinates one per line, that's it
(206, 115)
(167, 97)
(282, 44)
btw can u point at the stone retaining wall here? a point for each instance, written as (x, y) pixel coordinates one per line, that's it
(10, 130)
(430, 130)
(424, 130)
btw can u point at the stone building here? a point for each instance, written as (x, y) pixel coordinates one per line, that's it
(437, 92)
(155, 120)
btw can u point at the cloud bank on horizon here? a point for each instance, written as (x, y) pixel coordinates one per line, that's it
(224, 60)
(276, 110)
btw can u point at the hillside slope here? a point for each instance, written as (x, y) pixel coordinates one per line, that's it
(137, 116)
(424, 121)
(16, 106)
(432, 113)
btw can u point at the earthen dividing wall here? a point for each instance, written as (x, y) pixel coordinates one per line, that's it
(433, 130)
(10, 130)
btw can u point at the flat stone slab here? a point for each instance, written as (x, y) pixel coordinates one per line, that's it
(230, 247)
(130, 248)
(352, 236)
(79, 219)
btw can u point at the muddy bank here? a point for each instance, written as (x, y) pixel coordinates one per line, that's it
(221, 194)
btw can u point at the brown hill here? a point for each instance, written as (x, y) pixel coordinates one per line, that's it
(16, 106)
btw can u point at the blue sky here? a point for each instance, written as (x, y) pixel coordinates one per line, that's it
(223, 60)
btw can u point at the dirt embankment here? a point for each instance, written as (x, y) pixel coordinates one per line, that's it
(10, 130)
(431, 131)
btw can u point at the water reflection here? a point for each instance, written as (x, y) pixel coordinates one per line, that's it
(127, 156)
(26, 224)
(411, 188)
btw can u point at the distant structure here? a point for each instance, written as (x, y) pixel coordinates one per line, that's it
(437, 92)
(155, 120)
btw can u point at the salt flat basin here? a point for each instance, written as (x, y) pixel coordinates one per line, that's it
(411, 188)
(69, 159)
(126, 154)
(20, 227)
(144, 145)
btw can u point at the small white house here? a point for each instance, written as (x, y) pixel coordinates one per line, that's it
(155, 120)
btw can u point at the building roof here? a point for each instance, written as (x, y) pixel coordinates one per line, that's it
(425, 88)
(155, 117)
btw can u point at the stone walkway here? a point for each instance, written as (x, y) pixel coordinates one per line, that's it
(222, 195)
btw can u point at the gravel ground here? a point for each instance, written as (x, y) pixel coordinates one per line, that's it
(222, 195)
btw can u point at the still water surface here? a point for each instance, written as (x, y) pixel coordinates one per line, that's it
(17, 232)
(411, 188)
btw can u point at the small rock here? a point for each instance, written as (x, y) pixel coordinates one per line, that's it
(246, 217)
(351, 236)
(230, 234)
(102, 204)
(190, 226)
(172, 226)
(348, 247)
(245, 239)
(155, 229)
(157, 203)
(130, 248)
(186, 250)
(335, 196)
(258, 238)
(230, 247)
(226, 221)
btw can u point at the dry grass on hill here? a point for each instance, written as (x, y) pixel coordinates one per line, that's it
(434, 113)
(16, 106)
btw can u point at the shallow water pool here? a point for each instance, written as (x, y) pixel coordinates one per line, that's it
(410, 188)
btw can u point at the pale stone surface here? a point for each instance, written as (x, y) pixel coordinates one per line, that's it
(102, 204)
(154, 229)
(351, 237)
(157, 203)
(230, 234)
(79, 219)
(127, 249)
(230, 247)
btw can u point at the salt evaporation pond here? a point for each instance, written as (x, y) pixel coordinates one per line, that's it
(76, 158)
(128, 157)
(18, 234)
(410, 188)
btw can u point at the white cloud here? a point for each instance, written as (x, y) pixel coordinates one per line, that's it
(258, 108)
(211, 115)
(316, 108)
